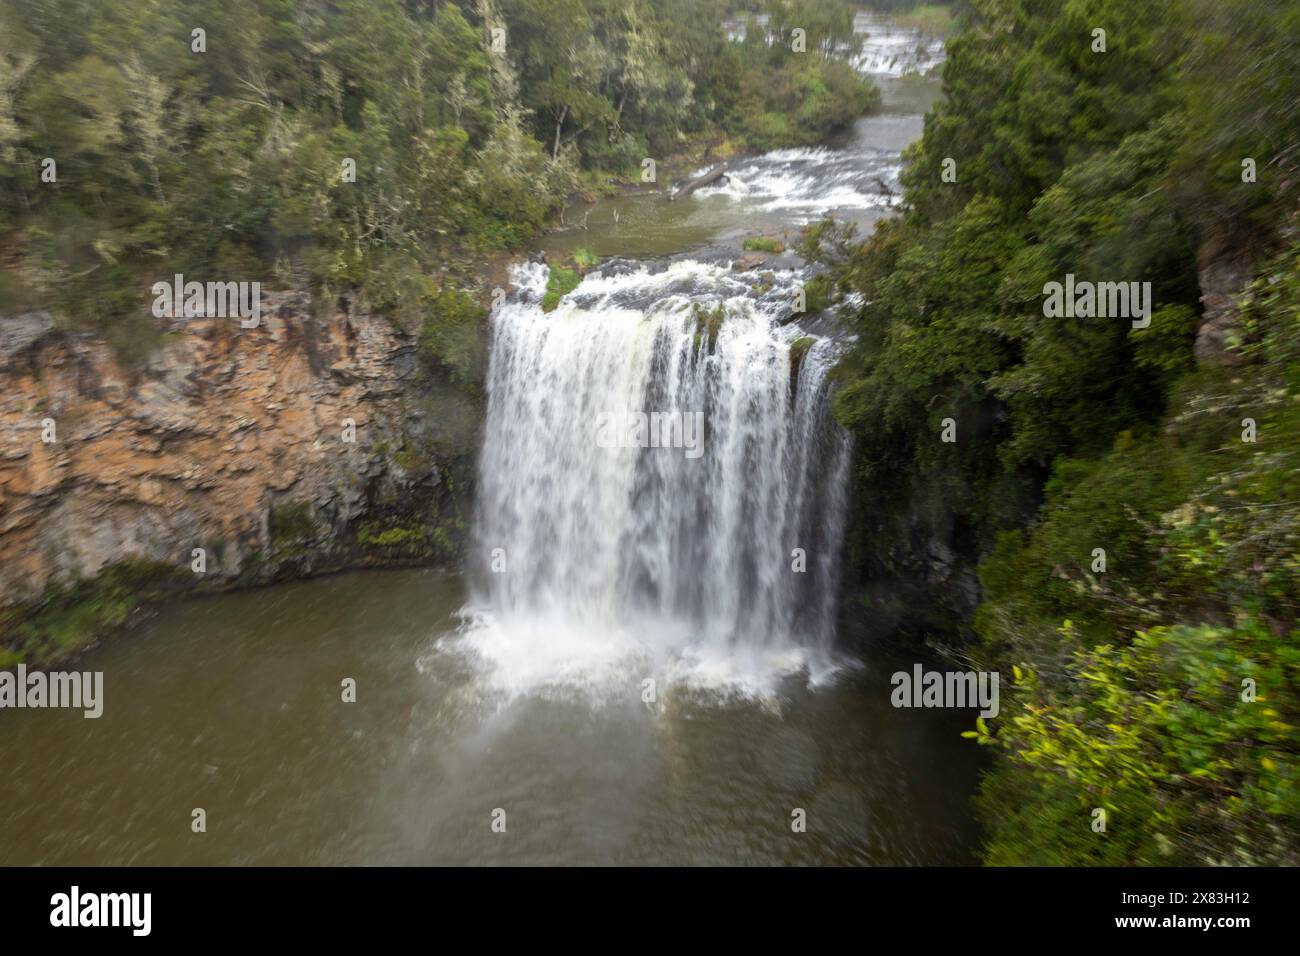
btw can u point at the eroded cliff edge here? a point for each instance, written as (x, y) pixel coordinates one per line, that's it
(318, 440)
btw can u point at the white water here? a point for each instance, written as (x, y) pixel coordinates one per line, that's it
(888, 49)
(892, 50)
(808, 183)
(626, 564)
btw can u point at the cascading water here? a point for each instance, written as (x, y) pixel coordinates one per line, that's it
(892, 50)
(888, 49)
(629, 561)
(616, 564)
(806, 184)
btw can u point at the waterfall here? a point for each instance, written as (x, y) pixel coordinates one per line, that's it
(892, 50)
(595, 553)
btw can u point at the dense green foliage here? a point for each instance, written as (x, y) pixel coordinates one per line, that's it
(784, 100)
(1133, 696)
(356, 144)
(1125, 165)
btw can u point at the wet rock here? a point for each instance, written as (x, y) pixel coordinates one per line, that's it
(750, 261)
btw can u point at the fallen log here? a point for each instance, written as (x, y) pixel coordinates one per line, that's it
(708, 179)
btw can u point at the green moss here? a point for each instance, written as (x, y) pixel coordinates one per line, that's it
(561, 282)
(798, 350)
(390, 537)
(443, 541)
(764, 244)
(251, 569)
(584, 258)
(291, 523)
(70, 617)
(410, 459)
(410, 540)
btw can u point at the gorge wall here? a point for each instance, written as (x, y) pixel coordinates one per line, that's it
(233, 440)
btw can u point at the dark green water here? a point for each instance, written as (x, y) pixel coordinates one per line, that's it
(233, 704)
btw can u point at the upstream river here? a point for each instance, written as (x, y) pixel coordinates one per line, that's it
(640, 663)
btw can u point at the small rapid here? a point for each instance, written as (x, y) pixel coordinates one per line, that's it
(807, 184)
(889, 49)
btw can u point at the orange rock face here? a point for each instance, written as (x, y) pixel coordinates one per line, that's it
(198, 448)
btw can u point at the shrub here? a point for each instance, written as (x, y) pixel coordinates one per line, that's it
(561, 282)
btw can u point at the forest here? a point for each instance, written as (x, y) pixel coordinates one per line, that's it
(372, 145)
(1132, 494)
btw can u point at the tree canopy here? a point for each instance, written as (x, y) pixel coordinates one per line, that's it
(1085, 436)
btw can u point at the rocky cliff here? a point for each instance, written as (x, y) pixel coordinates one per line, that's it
(315, 441)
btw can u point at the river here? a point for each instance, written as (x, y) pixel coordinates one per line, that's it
(630, 671)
